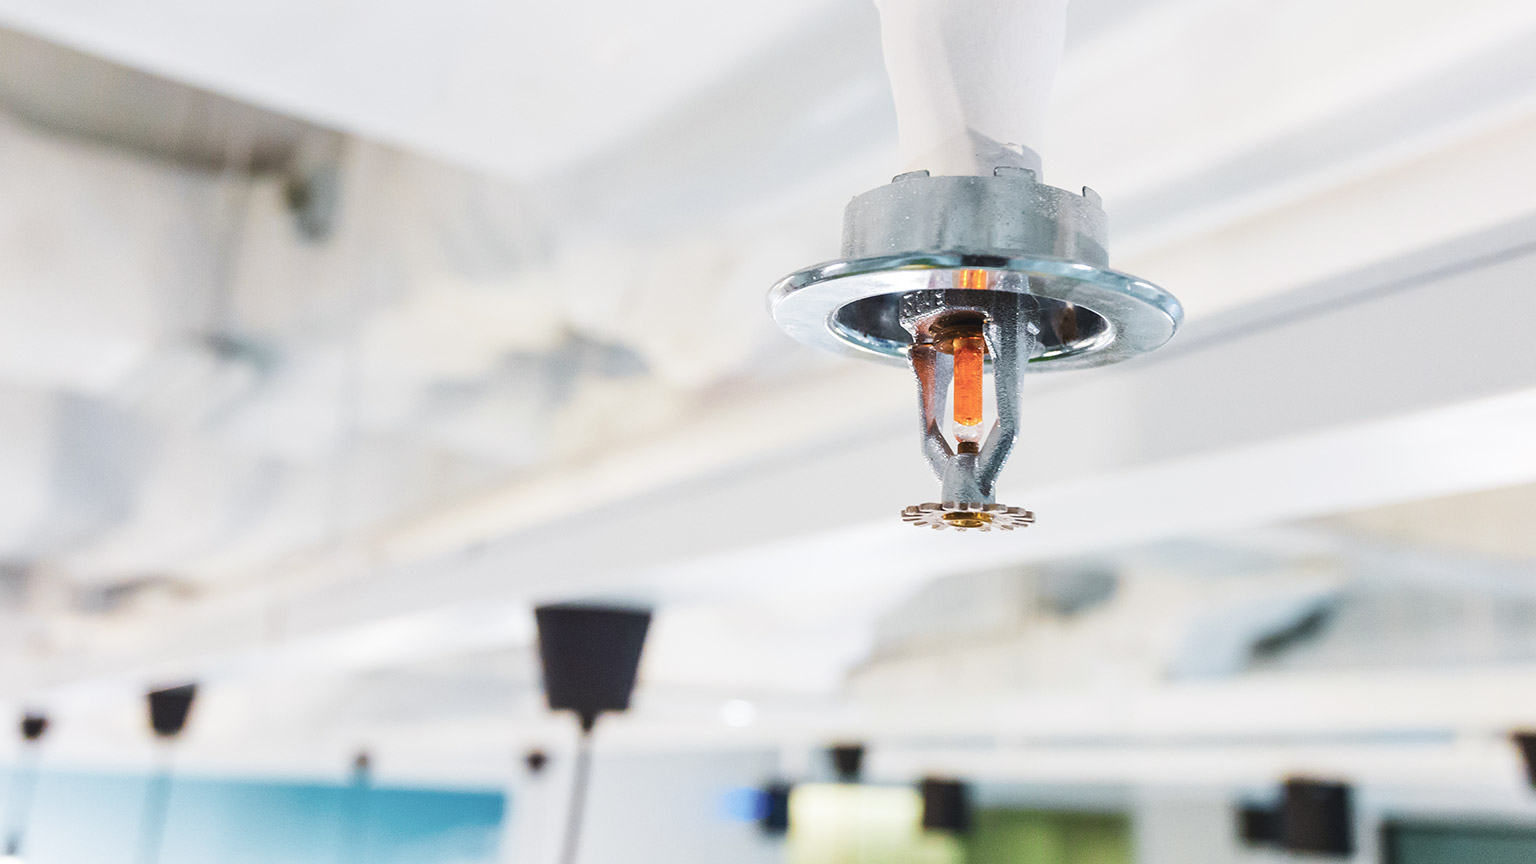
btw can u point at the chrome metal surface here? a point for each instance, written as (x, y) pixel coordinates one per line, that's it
(918, 213)
(1089, 316)
(915, 233)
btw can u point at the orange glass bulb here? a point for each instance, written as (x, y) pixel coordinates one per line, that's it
(970, 352)
(975, 280)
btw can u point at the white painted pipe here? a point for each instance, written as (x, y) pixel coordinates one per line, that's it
(971, 79)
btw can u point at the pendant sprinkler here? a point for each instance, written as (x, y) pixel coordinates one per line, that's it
(967, 262)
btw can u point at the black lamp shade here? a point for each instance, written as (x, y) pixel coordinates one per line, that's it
(536, 760)
(775, 813)
(946, 805)
(1316, 816)
(1526, 741)
(1259, 825)
(847, 761)
(169, 707)
(33, 726)
(590, 655)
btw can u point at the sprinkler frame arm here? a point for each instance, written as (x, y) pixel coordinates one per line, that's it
(971, 477)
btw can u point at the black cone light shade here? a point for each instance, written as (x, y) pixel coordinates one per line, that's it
(169, 707)
(168, 711)
(1316, 817)
(590, 655)
(33, 726)
(1526, 741)
(774, 819)
(535, 760)
(847, 762)
(1259, 824)
(23, 783)
(946, 805)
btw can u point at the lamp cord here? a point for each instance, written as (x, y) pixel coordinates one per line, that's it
(157, 803)
(355, 820)
(580, 775)
(23, 786)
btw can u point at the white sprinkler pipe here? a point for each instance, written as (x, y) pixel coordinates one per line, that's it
(971, 79)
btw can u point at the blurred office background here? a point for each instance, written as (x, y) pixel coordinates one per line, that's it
(336, 336)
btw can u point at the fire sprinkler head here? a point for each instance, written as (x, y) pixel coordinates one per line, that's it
(956, 274)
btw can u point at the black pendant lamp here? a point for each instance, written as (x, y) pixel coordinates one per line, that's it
(535, 761)
(24, 783)
(355, 812)
(169, 708)
(847, 761)
(1317, 818)
(773, 815)
(946, 805)
(590, 657)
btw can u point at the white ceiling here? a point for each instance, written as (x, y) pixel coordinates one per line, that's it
(531, 359)
(518, 89)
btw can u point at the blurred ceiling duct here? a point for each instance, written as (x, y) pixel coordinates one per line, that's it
(77, 95)
(590, 657)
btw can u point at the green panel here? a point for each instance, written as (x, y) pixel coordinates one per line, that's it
(1462, 844)
(838, 824)
(1043, 837)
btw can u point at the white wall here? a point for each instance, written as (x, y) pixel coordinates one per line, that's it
(645, 808)
(1184, 827)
